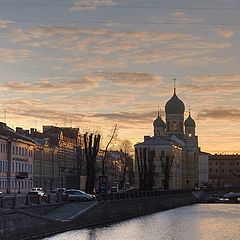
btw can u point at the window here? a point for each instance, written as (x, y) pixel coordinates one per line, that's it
(16, 150)
(237, 170)
(210, 170)
(230, 170)
(216, 170)
(1, 147)
(20, 150)
(230, 163)
(4, 148)
(210, 163)
(222, 170)
(174, 126)
(189, 134)
(167, 125)
(237, 163)
(13, 164)
(6, 166)
(216, 163)
(13, 149)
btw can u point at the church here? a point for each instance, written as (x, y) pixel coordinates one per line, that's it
(174, 139)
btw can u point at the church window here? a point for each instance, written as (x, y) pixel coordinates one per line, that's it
(174, 126)
(167, 125)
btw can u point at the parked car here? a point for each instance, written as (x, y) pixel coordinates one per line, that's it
(77, 195)
(34, 195)
(213, 199)
(58, 190)
(37, 189)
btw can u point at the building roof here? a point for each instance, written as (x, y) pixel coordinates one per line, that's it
(155, 140)
(174, 105)
(189, 122)
(158, 122)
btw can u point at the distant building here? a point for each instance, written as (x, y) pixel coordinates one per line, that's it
(224, 171)
(16, 155)
(203, 168)
(61, 149)
(174, 138)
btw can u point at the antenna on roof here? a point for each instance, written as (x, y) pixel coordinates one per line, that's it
(5, 115)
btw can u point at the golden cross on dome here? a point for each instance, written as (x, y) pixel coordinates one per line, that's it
(174, 82)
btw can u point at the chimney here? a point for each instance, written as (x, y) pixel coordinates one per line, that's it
(19, 130)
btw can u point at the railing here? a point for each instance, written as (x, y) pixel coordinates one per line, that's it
(7, 202)
(138, 195)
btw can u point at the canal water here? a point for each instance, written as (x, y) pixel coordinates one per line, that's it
(195, 222)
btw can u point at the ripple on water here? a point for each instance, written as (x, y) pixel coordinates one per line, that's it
(195, 222)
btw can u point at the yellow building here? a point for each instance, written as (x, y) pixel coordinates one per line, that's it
(174, 140)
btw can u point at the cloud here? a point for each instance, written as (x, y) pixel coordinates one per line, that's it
(8, 55)
(84, 83)
(184, 18)
(216, 78)
(81, 84)
(128, 117)
(4, 23)
(227, 33)
(132, 78)
(225, 113)
(92, 4)
(94, 63)
(200, 45)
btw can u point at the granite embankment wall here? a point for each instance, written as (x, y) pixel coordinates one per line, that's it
(22, 224)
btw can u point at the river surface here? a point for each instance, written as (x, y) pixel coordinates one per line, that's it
(195, 222)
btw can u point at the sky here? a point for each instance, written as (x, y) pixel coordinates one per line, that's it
(96, 63)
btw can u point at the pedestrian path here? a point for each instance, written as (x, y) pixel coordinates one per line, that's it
(68, 210)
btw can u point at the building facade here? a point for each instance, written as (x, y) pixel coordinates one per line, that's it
(16, 161)
(176, 139)
(224, 171)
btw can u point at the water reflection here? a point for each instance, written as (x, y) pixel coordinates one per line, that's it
(196, 222)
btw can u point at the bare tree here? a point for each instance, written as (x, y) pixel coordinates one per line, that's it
(126, 162)
(166, 166)
(91, 151)
(113, 134)
(145, 168)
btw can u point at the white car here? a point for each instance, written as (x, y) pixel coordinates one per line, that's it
(77, 195)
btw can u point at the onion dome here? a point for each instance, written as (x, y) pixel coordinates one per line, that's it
(189, 122)
(158, 122)
(174, 105)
